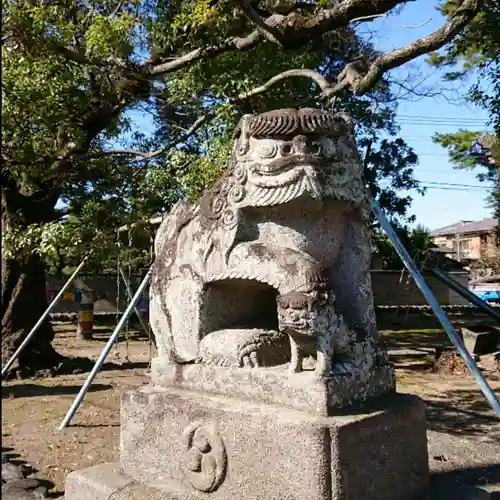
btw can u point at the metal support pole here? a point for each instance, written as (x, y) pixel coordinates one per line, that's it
(465, 293)
(39, 323)
(79, 398)
(436, 307)
(129, 295)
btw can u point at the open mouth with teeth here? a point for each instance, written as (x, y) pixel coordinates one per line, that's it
(283, 164)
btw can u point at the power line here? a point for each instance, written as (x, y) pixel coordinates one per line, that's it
(435, 124)
(450, 188)
(433, 154)
(447, 171)
(451, 184)
(428, 117)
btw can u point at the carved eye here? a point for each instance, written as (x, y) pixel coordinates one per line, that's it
(286, 149)
(315, 148)
(267, 149)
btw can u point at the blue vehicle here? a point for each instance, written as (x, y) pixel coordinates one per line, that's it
(487, 289)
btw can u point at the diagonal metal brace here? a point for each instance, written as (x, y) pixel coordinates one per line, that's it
(436, 307)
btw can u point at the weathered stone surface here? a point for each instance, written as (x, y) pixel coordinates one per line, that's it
(179, 445)
(95, 483)
(300, 391)
(279, 244)
(267, 272)
(257, 451)
(481, 339)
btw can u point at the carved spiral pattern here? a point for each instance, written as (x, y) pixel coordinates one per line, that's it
(217, 205)
(237, 193)
(240, 174)
(229, 218)
(205, 462)
(268, 149)
(243, 147)
(224, 189)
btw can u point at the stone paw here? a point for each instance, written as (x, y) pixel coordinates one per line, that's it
(250, 359)
(244, 348)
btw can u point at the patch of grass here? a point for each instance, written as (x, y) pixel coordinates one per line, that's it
(415, 331)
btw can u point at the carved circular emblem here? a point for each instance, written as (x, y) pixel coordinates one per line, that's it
(205, 463)
(236, 193)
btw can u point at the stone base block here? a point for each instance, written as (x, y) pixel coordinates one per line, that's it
(183, 445)
(178, 445)
(301, 391)
(481, 339)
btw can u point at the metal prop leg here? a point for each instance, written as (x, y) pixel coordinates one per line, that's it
(129, 296)
(465, 293)
(39, 323)
(79, 398)
(436, 307)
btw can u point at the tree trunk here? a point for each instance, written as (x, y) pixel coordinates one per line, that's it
(23, 303)
(23, 291)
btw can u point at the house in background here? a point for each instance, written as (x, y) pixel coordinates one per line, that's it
(467, 240)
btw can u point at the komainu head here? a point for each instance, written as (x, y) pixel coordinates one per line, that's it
(285, 154)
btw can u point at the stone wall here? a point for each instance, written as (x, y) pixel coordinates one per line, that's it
(389, 288)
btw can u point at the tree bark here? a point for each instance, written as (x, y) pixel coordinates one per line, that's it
(23, 303)
(23, 299)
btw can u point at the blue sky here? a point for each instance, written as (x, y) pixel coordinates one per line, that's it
(421, 119)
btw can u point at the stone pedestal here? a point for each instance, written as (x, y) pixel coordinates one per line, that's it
(262, 311)
(273, 385)
(182, 445)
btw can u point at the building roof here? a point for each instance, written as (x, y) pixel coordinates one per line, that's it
(441, 249)
(467, 226)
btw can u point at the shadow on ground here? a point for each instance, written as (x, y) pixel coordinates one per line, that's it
(444, 485)
(33, 390)
(28, 471)
(462, 413)
(416, 339)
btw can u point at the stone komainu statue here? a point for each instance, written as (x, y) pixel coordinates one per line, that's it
(272, 264)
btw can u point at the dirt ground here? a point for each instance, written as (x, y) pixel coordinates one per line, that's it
(464, 434)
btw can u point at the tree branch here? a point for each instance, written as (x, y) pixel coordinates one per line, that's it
(148, 156)
(72, 55)
(467, 11)
(294, 30)
(321, 81)
(267, 31)
(117, 9)
(422, 24)
(211, 51)
(360, 76)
